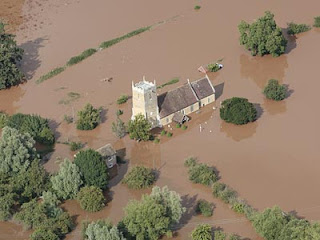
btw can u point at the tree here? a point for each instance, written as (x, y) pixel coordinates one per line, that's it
(238, 111)
(91, 198)
(294, 28)
(295, 230)
(17, 151)
(270, 223)
(202, 232)
(7, 203)
(44, 234)
(205, 208)
(139, 128)
(119, 128)
(139, 177)
(274, 90)
(219, 235)
(263, 36)
(50, 198)
(67, 181)
(10, 56)
(93, 168)
(89, 118)
(203, 174)
(101, 231)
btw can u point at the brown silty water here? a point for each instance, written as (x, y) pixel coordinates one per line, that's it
(272, 161)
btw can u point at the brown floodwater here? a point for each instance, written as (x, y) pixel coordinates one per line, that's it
(272, 161)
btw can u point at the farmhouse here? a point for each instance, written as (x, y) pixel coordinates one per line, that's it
(174, 105)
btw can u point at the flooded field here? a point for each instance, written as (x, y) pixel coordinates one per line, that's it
(274, 160)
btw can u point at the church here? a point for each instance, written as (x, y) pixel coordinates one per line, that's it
(174, 105)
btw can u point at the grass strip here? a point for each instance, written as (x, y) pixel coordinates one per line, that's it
(51, 74)
(85, 54)
(172, 81)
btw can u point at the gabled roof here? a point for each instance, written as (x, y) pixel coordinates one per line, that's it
(203, 87)
(176, 100)
(106, 151)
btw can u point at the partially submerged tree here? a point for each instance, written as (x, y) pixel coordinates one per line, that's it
(139, 128)
(202, 232)
(91, 198)
(119, 128)
(89, 118)
(139, 177)
(10, 56)
(263, 36)
(238, 111)
(102, 230)
(294, 28)
(275, 91)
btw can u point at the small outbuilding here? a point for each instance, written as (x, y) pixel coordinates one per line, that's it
(108, 154)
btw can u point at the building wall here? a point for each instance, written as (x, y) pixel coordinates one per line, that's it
(207, 100)
(190, 109)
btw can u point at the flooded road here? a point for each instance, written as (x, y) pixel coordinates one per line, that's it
(274, 160)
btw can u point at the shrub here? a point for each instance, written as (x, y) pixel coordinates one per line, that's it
(139, 128)
(294, 28)
(169, 134)
(213, 67)
(44, 234)
(219, 235)
(157, 140)
(234, 237)
(85, 54)
(197, 7)
(102, 230)
(163, 132)
(91, 198)
(239, 207)
(205, 208)
(68, 119)
(74, 146)
(178, 125)
(93, 168)
(190, 162)
(184, 127)
(119, 112)
(3, 119)
(51, 74)
(223, 192)
(274, 90)
(317, 21)
(122, 99)
(89, 118)
(263, 36)
(139, 177)
(10, 56)
(119, 128)
(202, 174)
(202, 232)
(238, 111)
(7, 203)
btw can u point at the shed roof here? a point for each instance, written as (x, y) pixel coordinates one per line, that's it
(203, 87)
(106, 151)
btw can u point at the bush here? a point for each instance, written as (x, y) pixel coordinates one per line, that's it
(219, 235)
(294, 28)
(202, 174)
(44, 234)
(68, 119)
(213, 67)
(122, 99)
(3, 119)
(139, 128)
(205, 208)
(93, 168)
(139, 177)
(91, 198)
(263, 36)
(157, 140)
(89, 118)
(234, 237)
(119, 128)
(10, 56)
(239, 207)
(169, 134)
(7, 203)
(238, 111)
(202, 232)
(35, 125)
(85, 54)
(317, 21)
(197, 7)
(190, 162)
(102, 230)
(163, 132)
(184, 127)
(274, 90)
(74, 146)
(223, 192)
(119, 112)
(178, 125)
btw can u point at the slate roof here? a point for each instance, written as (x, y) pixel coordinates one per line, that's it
(106, 151)
(202, 88)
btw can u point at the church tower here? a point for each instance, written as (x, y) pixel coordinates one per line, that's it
(145, 101)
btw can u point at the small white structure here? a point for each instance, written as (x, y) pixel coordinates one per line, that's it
(108, 154)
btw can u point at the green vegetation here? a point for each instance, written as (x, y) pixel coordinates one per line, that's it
(118, 128)
(178, 125)
(139, 128)
(205, 208)
(119, 112)
(85, 54)
(102, 230)
(139, 177)
(238, 111)
(154, 215)
(93, 168)
(67, 182)
(71, 96)
(263, 36)
(169, 134)
(68, 119)
(157, 140)
(114, 41)
(10, 56)
(35, 125)
(220, 235)
(202, 232)
(172, 81)
(197, 7)
(184, 127)
(200, 173)
(3, 119)
(275, 91)
(91, 198)
(122, 99)
(74, 146)
(51, 74)
(163, 132)
(294, 28)
(89, 118)
(213, 67)
(317, 22)
(225, 193)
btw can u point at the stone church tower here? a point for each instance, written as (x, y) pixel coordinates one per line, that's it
(145, 101)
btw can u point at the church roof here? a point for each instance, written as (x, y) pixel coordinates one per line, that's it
(203, 88)
(106, 151)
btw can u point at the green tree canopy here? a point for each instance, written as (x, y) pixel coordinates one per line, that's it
(238, 111)
(119, 128)
(274, 90)
(17, 151)
(10, 56)
(139, 128)
(91, 198)
(202, 232)
(89, 118)
(263, 36)
(140, 177)
(67, 181)
(101, 231)
(93, 168)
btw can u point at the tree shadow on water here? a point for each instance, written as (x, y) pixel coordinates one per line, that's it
(259, 110)
(189, 203)
(30, 61)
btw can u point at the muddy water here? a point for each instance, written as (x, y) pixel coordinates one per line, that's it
(271, 161)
